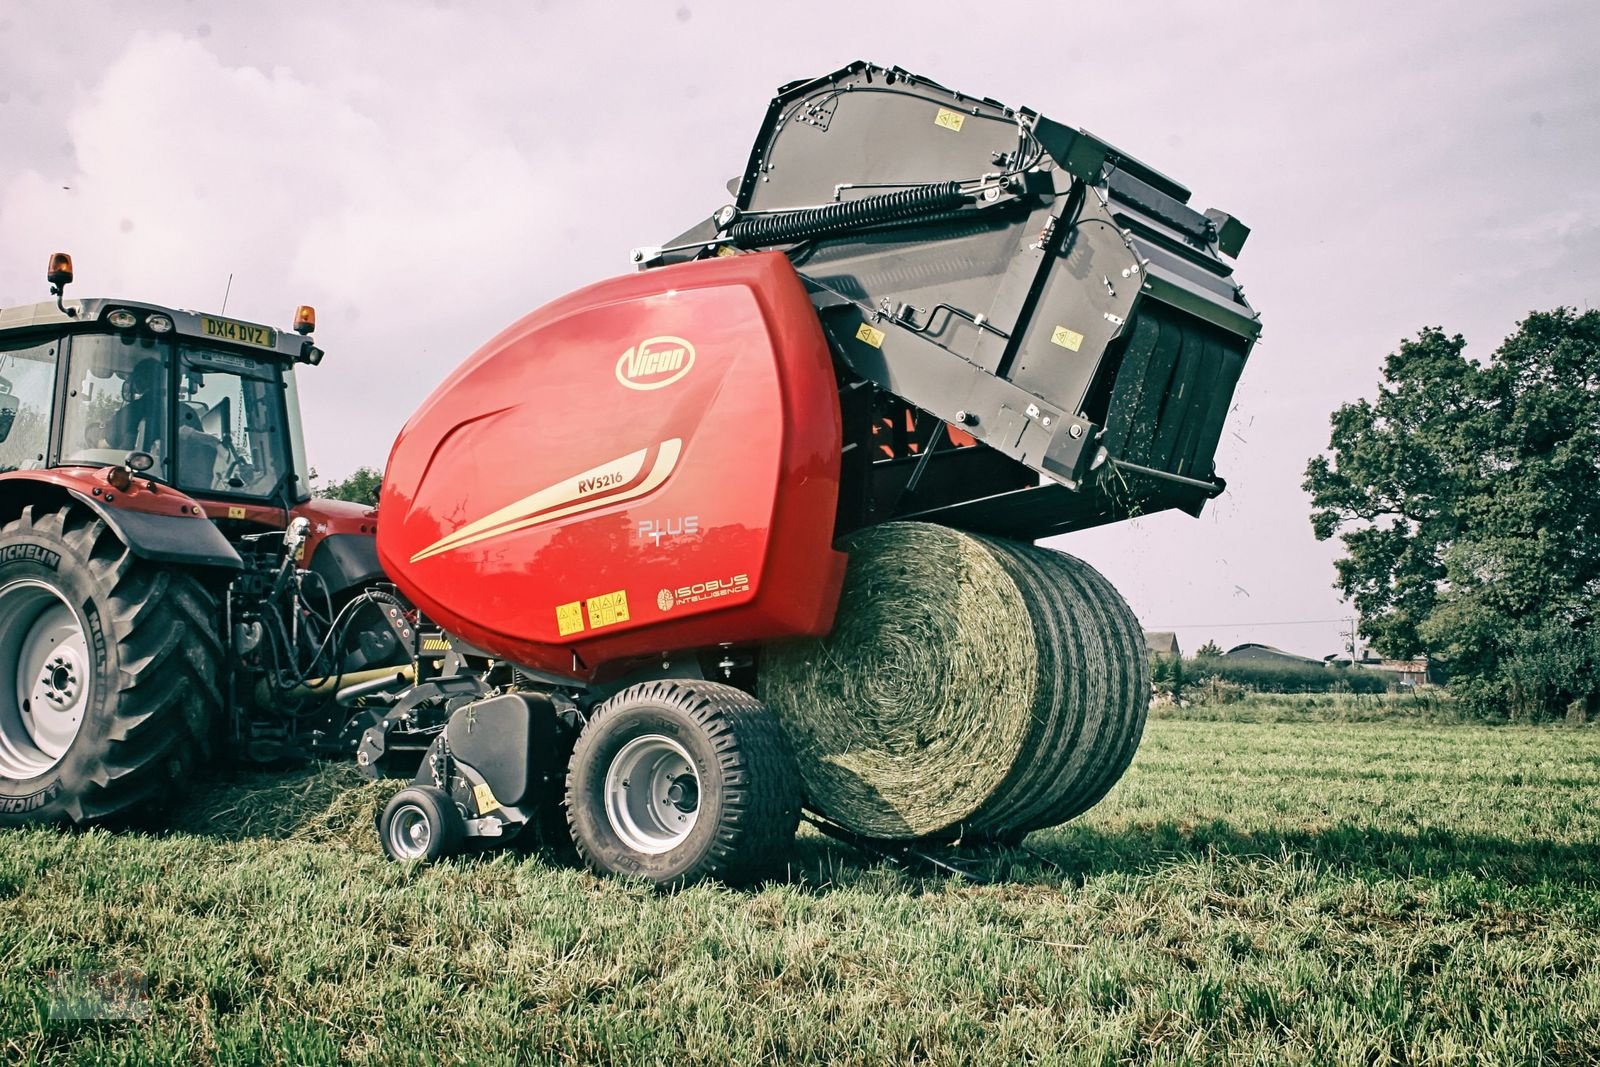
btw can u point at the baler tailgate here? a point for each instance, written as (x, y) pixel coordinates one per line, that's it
(1056, 299)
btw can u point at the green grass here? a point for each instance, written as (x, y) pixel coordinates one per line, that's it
(1253, 892)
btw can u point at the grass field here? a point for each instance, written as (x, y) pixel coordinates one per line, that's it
(1253, 892)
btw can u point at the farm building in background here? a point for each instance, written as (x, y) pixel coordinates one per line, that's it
(1252, 652)
(1407, 672)
(1162, 643)
(1403, 672)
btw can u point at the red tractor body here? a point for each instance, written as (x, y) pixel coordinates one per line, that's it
(648, 464)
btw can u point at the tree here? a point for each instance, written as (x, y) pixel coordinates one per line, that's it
(1467, 497)
(361, 487)
(1210, 648)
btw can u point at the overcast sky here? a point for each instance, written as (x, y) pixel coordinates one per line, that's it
(424, 173)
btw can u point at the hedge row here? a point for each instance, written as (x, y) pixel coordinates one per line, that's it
(1284, 677)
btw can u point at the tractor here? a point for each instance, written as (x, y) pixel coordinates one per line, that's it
(168, 584)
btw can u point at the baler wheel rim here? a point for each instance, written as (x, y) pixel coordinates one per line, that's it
(647, 803)
(410, 833)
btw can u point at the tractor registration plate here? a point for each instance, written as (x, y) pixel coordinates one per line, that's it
(244, 333)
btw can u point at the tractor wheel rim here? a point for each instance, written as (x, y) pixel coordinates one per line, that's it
(410, 832)
(46, 678)
(652, 793)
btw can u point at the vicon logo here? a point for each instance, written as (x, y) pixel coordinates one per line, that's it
(655, 363)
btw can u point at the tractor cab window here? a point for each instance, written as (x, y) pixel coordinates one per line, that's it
(231, 427)
(222, 432)
(116, 400)
(27, 386)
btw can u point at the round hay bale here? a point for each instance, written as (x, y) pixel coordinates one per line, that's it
(1090, 719)
(970, 686)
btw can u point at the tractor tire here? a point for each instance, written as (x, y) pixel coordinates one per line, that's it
(108, 673)
(679, 781)
(421, 823)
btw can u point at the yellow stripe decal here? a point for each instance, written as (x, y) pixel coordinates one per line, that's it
(586, 491)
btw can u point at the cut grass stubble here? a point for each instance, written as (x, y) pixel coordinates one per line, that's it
(1251, 892)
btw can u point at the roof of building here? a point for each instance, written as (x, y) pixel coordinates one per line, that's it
(1256, 651)
(1161, 642)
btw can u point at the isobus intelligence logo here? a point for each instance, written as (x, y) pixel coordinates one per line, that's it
(655, 363)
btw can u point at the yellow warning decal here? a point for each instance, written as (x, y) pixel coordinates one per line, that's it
(485, 798)
(870, 336)
(435, 644)
(1068, 339)
(569, 618)
(235, 512)
(950, 120)
(608, 609)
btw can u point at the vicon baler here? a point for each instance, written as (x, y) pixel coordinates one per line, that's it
(927, 319)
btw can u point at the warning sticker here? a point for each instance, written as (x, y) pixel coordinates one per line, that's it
(485, 798)
(569, 618)
(235, 512)
(1071, 340)
(609, 609)
(950, 120)
(870, 336)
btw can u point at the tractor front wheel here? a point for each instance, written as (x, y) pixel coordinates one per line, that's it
(108, 672)
(678, 781)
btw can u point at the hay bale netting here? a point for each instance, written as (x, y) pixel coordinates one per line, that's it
(970, 687)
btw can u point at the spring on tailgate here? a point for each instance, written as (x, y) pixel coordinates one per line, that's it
(812, 222)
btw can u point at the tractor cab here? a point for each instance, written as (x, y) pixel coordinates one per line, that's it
(200, 402)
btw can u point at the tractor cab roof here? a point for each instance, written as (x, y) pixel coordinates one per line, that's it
(95, 313)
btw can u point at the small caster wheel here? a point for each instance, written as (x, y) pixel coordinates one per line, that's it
(421, 823)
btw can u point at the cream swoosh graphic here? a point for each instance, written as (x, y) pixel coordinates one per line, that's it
(609, 483)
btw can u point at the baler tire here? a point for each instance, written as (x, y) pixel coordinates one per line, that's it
(747, 787)
(146, 696)
(422, 824)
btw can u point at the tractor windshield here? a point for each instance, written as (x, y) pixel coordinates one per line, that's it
(216, 426)
(230, 423)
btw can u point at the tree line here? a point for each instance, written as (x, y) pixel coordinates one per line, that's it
(1467, 499)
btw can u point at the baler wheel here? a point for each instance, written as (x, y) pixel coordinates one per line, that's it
(421, 823)
(108, 672)
(677, 781)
